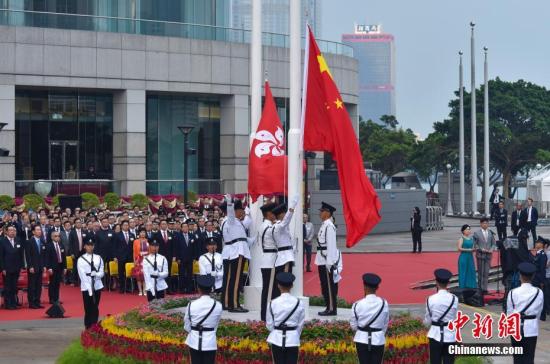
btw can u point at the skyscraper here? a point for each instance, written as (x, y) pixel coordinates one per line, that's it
(275, 15)
(376, 54)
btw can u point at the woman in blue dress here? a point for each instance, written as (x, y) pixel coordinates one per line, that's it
(466, 267)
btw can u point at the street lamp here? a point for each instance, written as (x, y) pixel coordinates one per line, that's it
(185, 130)
(538, 166)
(449, 200)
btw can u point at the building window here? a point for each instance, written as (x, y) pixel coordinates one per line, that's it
(165, 143)
(60, 134)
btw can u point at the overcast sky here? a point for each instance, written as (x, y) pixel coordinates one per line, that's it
(429, 34)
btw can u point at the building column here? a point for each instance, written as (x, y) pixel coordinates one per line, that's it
(234, 143)
(129, 140)
(7, 140)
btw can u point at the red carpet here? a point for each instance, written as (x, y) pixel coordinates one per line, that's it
(397, 270)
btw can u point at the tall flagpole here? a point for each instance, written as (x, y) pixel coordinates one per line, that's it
(461, 134)
(252, 292)
(486, 135)
(295, 155)
(474, 123)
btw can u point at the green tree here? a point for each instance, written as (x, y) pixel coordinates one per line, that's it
(430, 156)
(390, 121)
(386, 148)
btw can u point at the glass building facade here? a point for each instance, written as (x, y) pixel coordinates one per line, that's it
(60, 134)
(165, 143)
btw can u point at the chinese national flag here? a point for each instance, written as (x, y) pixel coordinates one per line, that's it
(328, 128)
(267, 160)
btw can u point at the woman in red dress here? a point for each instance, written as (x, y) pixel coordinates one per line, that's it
(141, 249)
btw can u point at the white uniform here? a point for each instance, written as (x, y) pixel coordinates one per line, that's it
(327, 250)
(84, 268)
(235, 235)
(269, 247)
(161, 271)
(283, 240)
(279, 310)
(212, 264)
(435, 308)
(518, 299)
(363, 312)
(196, 311)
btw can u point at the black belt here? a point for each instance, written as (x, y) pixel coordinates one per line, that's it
(201, 329)
(528, 317)
(369, 330)
(284, 329)
(321, 248)
(235, 240)
(284, 248)
(270, 250)
(441, 326)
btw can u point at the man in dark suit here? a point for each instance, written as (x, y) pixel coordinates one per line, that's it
(36, 258)
(203, 238)
(77, 237)
(540, 262)
(56, 264)
(11, 262)
(24, 229)
(501, 221)
(56, 227)
(104, 241)
(529, 218)
(167, 247)
(124, 242)
(184, 256)
(45, 226)
(516, 219)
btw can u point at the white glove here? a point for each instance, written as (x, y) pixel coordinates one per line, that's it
(247, 210)
(228, 198)
(294, 202)
(93, 274)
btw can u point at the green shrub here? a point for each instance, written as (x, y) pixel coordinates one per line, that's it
(139, 200)
(76, 353)
(55, 199)
(33, 201)
(6, 202)
(112, 200)
(89, 200)
(192, 196)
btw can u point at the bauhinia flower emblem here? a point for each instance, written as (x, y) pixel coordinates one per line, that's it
(269, 144)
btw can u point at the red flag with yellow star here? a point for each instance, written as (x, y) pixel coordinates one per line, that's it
(328, 127)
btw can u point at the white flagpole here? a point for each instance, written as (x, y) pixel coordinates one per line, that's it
(295, 157)
(252, 292)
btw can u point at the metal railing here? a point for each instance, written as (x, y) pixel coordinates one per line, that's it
(434, 218)
(175, 186)
(101, 23)
(54, 187)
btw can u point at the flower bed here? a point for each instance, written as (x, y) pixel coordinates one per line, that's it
(151, 334)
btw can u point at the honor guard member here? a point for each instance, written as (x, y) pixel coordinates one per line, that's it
(90, 271)
(267, 260)
(235, 251)
(282, 237)
(201, 322)
(526, 300)
(440, 309)
(369, 320)
(326, 258)
(285, 321)
(211, 264)
(155, 271)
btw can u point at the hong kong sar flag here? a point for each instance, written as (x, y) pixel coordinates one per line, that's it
(267, 160)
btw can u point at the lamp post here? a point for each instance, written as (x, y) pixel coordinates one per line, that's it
(474, 123)
(185, 130)
(449, 199)
(461, 135)
(486, 135)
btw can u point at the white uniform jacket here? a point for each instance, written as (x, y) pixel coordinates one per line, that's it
(363, 312)
(206, 261)
(195, 313)
(87, 275)
(283, 240)
(162, 272)
(327, 250)
(518, 299)
(436, 306)
(279, 309)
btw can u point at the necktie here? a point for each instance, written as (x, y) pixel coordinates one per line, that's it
(126, 237)
(213, 264)
(164, 236)
(38, 245)
(58, 252)
(12, 244)
(79, 234)
(155, 263)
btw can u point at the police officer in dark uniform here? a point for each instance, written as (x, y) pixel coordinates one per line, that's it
(501, 221)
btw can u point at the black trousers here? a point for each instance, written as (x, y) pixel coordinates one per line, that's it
(529, 345)
(288, 355)
(91, 308)
(494, 209)
(186, 277)
(158, 295)
(122, 275)
(232, 282)
(287, 267)
(75, 279)
(10, 289)
(546, 292)
(55, 282)
(533, 230)
(439, 353)
(328, 287)
(374, 356)
(417, 240)
(34, 288)
(307, 254)
(268, 284)
(202, 357)
(501, 232)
